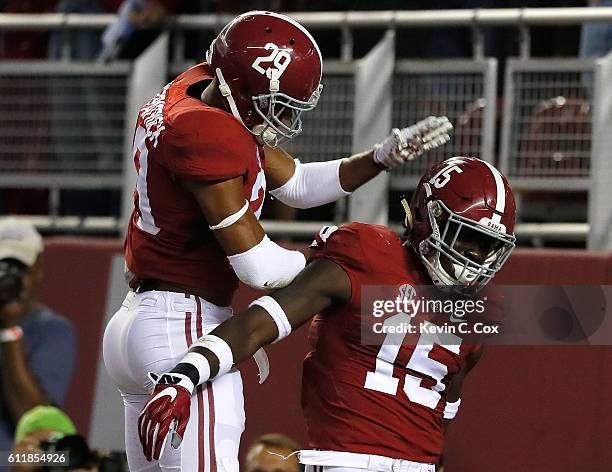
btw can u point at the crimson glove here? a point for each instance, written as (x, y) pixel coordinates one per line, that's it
(166, 412)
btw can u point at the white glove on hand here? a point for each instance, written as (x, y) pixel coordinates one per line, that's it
(406, 144)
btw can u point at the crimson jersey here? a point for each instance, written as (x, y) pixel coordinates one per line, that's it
(180, 136)
(366, 398)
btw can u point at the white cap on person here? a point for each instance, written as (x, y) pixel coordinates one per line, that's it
(19, 240)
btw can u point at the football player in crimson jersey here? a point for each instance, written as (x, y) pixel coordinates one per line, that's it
(205, 149)
(370, 407)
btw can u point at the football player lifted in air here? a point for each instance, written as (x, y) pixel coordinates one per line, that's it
(378, 407)
(205, 148)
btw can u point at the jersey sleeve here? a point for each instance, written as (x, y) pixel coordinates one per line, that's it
(344, 247)
(206, 145)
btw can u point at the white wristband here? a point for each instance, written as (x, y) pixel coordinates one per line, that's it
(277, 314)
(451, 409)
(7, 335)
(220, 349)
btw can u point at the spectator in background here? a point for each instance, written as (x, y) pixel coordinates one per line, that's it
(85, 44)
(273, 453)
(37, 346)
(48, 429)
(596, 38)
(135, 27)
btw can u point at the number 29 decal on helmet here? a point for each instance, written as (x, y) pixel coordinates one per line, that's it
(278, 57)
(269, 71)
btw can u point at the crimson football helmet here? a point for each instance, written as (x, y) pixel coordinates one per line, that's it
(461, 222)
(269, 71)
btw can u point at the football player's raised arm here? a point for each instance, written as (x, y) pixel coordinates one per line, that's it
(269, 319)
(317, 183)
(257, 261)
(304, 185)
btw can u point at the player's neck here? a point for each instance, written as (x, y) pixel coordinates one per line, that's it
(212, 97)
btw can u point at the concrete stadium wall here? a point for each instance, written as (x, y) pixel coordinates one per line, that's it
(525, 408)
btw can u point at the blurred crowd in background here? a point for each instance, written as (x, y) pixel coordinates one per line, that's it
(138, 22)
(146, 15)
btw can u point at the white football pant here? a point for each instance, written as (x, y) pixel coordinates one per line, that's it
(337, 461)
(151, 332)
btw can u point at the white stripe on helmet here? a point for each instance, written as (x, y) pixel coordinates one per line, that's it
(500, 200)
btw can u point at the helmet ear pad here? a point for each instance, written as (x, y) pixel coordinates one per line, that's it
(408, 219)
(417, 219)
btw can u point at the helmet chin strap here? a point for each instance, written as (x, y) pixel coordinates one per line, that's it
(264, 133)
(438, 275)
(227, 94)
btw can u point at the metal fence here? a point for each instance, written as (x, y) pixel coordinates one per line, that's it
(462, 90)
(536, 232)
(328, 129)
(547, 130)
(58, 121)
(62, 120)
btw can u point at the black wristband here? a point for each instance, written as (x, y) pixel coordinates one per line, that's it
(189, 370)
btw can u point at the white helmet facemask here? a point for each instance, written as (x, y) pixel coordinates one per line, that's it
(281, 114)
(461, 273)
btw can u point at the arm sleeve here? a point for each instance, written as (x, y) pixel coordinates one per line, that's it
(311, 185)
(53, 359)
(206, 146)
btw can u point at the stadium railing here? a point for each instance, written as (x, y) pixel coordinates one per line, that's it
(539, 232)
(346, 21)
(550, 134)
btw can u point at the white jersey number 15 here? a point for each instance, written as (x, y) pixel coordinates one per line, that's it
(382, 379)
